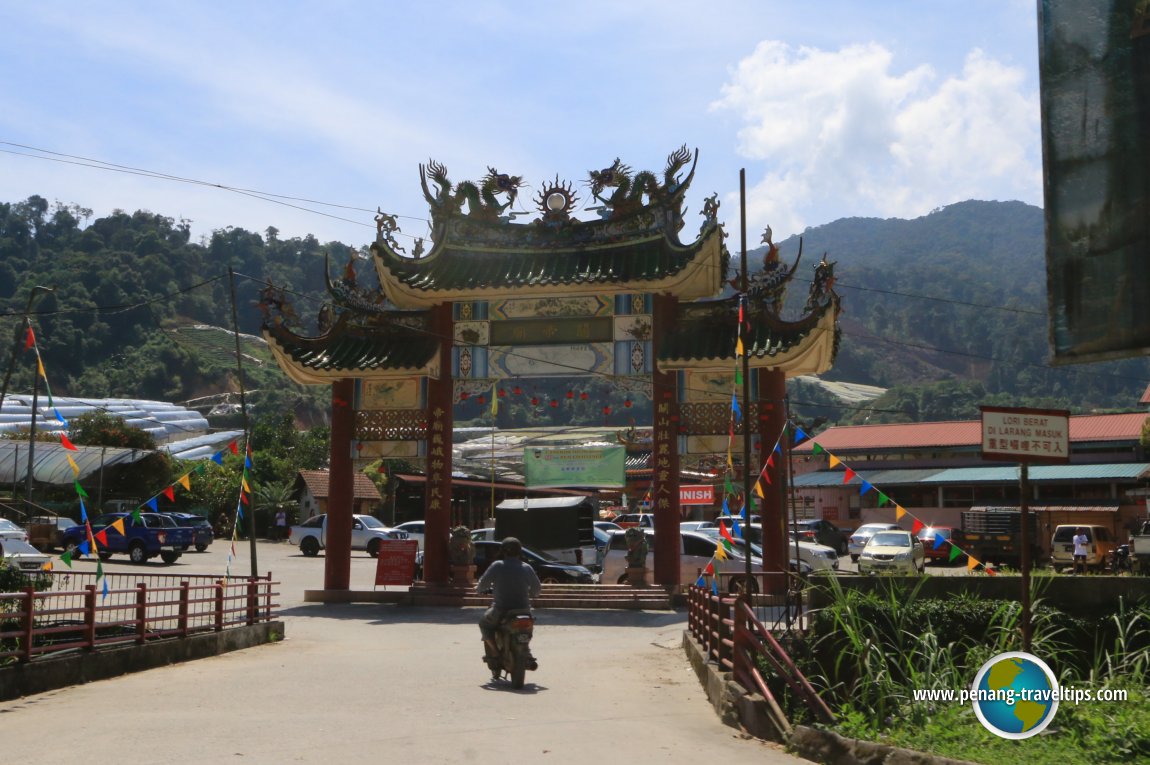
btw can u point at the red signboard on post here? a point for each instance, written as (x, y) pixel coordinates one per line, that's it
(696, 495)
(396, 562)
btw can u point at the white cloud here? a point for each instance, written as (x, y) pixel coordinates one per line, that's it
(841, 134)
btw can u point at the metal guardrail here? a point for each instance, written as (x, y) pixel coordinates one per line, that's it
(735, 639)
(75, 614)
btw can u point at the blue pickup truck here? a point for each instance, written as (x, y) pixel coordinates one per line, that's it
(154, 534)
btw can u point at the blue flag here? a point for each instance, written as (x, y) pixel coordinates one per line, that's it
(83, 547)
(865, 488)
(154, 505)
(800, 436)
(735, 408)
(218, 458)
(701, 582)
(726, 507)
(938, 540)
(736, 530)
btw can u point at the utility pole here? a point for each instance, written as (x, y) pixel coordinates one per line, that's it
(27, 324)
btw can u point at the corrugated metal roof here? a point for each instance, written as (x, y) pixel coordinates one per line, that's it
(964, 433)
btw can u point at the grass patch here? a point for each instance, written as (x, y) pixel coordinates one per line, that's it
(867, 654)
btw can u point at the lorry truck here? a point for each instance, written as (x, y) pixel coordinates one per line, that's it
(995, 536)
(563, 527)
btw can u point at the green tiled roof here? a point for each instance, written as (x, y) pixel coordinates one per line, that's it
(455, 267)
(354, 350)
(708, 331)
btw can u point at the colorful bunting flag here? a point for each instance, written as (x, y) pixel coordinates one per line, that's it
(67, 444)
(118, 525)
(848, 475)
(800, 435)
(67, 558)
(102, 537)
(74, 466)
(954, 553)
(898, 512)
(183, 481)
(833, 461)
(738, 413)
(152, 503)
(80, 490)
(865, 487)
(29, 339)
(233, 448)
(218, 458)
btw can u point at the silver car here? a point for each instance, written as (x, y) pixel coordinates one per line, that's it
(862, 535)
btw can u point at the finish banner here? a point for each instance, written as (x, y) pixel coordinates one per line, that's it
(575, 467)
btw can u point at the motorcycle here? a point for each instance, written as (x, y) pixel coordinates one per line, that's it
(513, 648)
(1121, 559)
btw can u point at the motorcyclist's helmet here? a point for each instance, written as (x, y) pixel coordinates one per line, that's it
(511, 547)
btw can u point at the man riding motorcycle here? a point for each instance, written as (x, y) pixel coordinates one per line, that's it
(514, 584)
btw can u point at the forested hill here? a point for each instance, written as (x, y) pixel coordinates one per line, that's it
(947, 309)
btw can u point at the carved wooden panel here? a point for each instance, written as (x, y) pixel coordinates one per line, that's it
(713, 418)
(391, 425)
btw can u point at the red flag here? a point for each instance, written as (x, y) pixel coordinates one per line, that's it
(917, 526)
(102, 537)
(710, 569)
(771, 460)
(67, 444)
(29, 339)
(244, 497)
(847, 476)
(232, 446)
(726, 534)
(170, 493)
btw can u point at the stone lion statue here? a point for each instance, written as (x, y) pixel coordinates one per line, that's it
(636, 547)
(460, 547)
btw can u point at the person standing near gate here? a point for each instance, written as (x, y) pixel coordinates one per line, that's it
(281, 525)
(1081, 550)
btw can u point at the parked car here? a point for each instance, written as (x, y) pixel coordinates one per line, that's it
(696, 550)
(811, 554)
(23, 556)
(143, 537)
(10, 530)
(940, 551)
(608, 526)
(894, 551)
(863, 534)
(204, 534)
(1101, 545)
(694, 525)
(47, 532)
(823, 532)
(413, 529)
(548, 569)
(367, 532)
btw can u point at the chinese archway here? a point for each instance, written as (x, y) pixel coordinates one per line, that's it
(499, 304)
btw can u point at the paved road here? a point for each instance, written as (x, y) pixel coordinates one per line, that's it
(367, 683)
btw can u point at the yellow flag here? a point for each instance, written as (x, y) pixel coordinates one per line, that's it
(739, 347)
(245, 485)
(183, 481)
(72, 462)
(494, 400)
(720, 553)
(759, 489)
(834, 461)
(119, 526)
(971, 563)
(40, 365)
(899, 512)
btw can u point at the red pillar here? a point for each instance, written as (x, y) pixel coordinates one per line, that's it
(772, 391)
(337, 548)
(665, 455)
(440, 423)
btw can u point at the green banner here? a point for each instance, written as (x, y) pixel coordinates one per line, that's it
(575, 467)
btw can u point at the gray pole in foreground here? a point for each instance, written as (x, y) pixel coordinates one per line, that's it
(247, 429)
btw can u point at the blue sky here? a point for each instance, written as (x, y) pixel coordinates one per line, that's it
(835, 108)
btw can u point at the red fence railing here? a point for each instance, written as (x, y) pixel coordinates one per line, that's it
(735, 639)
(37, 623)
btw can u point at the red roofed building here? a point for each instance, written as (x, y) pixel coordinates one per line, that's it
(934, 471)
